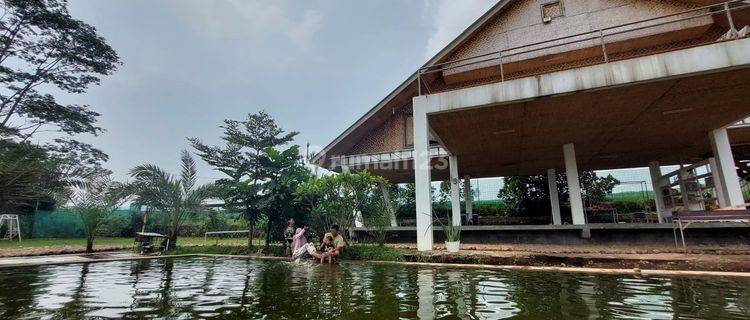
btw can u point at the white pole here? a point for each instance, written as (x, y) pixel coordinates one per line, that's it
(727, 170)
(455, 193)
(469, 198)
(656, 184)
(574, 187)
(554, 197)
(721, 196)
(422, 174)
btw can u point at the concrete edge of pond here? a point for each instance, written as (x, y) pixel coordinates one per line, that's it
(78, 258)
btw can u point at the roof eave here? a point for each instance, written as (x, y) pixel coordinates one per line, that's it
(437, 57)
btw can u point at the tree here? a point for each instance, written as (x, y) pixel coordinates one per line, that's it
(283, 172)
(529, 195)
(94, 202)
(43, 46)
(176, 197)
(335, 199)
(241, 159)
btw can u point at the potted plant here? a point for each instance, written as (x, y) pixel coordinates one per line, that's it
(452, 234)
(452, 237)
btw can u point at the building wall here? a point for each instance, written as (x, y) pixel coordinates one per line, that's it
(393, 134)
(521, 24)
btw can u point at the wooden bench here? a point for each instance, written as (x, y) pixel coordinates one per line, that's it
(683, 219)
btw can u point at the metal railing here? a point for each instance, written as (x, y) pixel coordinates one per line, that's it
(384, 157)
(601, 34)
(742, 123)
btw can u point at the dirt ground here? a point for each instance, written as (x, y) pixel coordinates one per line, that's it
(55, 250)
(664, 257)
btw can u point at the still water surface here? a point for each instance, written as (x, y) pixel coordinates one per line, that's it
(228, 288)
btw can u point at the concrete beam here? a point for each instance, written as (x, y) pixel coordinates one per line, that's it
(677, 63)
(574, 187)
(469, 199)
(422, 174)
(554, 196)
(455, 193)
(656, 184)
(726, 168)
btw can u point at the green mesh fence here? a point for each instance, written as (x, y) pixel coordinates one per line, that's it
(55, 224)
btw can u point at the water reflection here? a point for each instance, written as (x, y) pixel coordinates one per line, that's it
(240, 288)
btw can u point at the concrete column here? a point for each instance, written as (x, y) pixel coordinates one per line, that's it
(574, 187)
(387, 198)
(469, 200)
(554, 197)
(455, 193)
(726, 169)
(721, 196)
(359, 222)
(656, 184)
(422, 174)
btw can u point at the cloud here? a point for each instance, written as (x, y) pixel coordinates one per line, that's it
(448, 18)
(251, 20)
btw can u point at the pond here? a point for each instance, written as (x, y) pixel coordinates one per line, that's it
(227, 288)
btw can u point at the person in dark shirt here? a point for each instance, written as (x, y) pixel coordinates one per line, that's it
(289, 237)
(326, 248)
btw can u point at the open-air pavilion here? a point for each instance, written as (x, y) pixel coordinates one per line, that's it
(655, 83)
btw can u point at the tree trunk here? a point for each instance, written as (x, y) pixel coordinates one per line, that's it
(268, 235)
(90, 243)
(250, 236)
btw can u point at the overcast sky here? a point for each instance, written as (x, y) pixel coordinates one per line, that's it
(316, 66)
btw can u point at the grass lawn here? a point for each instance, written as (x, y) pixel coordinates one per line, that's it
(53, 243)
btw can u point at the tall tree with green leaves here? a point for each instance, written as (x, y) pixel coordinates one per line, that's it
(241, 159)
(283, 172)
(176, 197)
(44, 50)
(43, 47)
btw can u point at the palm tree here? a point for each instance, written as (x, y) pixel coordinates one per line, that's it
(177, 197)
(94, 201)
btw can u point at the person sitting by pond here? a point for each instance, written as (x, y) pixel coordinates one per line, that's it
(326, 249)
(288, 236)
(299, 239)
(338, 241)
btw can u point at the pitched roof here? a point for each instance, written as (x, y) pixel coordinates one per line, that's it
(357, 130)
(411, 80)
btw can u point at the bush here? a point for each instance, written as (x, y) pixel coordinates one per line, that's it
(372, 253)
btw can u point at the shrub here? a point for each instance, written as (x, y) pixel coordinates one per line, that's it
(372, 253)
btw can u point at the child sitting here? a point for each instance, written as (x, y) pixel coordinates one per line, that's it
(326, 249)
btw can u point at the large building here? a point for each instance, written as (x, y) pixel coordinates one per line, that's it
(542, 86)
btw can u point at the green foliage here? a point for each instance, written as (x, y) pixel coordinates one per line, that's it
(94, 202)
(529, 195)
(247, 158)
(175, 197)
(43, 48)
(40, 43)
(334, 199)
(372, 253)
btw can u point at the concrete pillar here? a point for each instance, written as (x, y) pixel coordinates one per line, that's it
(574, 187)
(455, 193)
(721, 196)
(387, 198)
(422, 174)
(554, 197)
(359, 222)
(656, 184)
(726, 169)
(469, 200)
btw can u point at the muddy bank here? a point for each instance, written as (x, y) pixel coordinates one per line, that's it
(698, 262)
